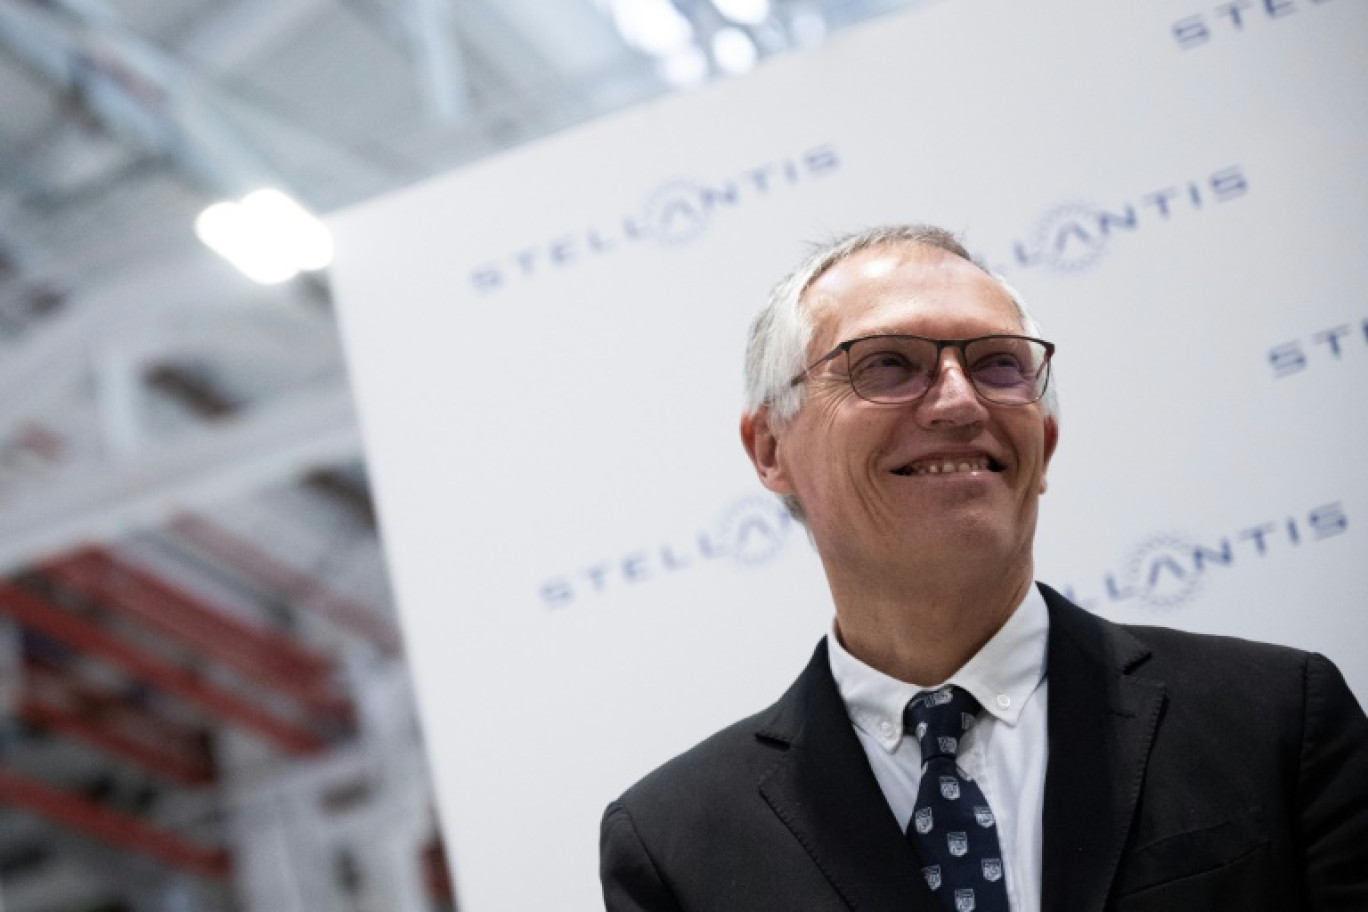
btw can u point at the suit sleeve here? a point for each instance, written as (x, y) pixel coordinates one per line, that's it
(1333, 791)
(631, 882)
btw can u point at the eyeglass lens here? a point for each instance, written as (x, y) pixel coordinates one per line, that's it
(1009, 370)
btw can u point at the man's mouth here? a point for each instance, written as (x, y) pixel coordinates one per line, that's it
(949, 465)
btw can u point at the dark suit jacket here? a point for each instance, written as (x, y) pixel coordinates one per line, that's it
(1185, 772)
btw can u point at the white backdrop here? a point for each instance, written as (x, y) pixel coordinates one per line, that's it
(546, 352)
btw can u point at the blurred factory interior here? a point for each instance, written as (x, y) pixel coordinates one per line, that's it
(206, 705)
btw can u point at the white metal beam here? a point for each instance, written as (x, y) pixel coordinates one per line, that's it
(225, 460)
(437, 56)
(233, 36)
(163, 304)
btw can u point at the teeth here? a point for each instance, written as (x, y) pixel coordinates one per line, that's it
(948, 467)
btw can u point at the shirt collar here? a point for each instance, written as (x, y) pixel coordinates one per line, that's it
(1002, 675)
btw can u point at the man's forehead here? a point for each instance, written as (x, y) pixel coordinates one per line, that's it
(881, 263)
(892, 272)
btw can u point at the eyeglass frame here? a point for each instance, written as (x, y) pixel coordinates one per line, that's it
(941, 345)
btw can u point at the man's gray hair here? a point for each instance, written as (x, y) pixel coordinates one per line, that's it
(781, 333)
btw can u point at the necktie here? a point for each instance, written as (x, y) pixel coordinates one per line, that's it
(952, 827)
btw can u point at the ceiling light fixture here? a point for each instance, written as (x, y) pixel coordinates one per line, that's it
(268, 236)
(686, 67)
(734, 51)
(653, 26)
(744, 12)
(807, 27)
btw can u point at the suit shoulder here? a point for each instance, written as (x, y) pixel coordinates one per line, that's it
(730, 763)
(1186, 643)
(720, 763)
(1172, 645)
(1231, 668)
(1139, 646)
(1202, 662)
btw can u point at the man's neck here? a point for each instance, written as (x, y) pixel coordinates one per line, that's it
(924, 633)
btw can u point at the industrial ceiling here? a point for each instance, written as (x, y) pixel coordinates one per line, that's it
(194, 612)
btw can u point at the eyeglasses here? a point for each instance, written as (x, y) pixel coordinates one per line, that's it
(893, 369)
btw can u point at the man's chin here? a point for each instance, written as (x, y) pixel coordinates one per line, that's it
(966, 536)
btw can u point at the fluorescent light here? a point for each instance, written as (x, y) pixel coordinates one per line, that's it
(687, 66)
(808, 28)
(734, 50)
(288, 223)
(268, 236)
(745, 12)
(653, 26)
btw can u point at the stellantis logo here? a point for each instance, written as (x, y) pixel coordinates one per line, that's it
(676, 211)
(752, 531)
(1165, 571)
(1074, 237)
(1230, 18)
(1321, 347)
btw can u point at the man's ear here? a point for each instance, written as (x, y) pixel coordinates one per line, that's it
(1051, 441)
(761, 441)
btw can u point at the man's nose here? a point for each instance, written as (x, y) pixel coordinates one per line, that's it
(952, 398)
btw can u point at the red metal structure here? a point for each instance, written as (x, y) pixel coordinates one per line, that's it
(300, 587)
(109, 826)
(84, 636)
(54, 699)
(259, 654)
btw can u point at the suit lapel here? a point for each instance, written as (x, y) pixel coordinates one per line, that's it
(825, 793)
(1102, 723)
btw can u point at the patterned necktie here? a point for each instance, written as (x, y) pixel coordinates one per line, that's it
(952, 828)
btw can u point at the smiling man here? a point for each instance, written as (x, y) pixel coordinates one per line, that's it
(965, 738)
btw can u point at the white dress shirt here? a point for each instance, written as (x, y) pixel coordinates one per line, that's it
(1005, 753)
